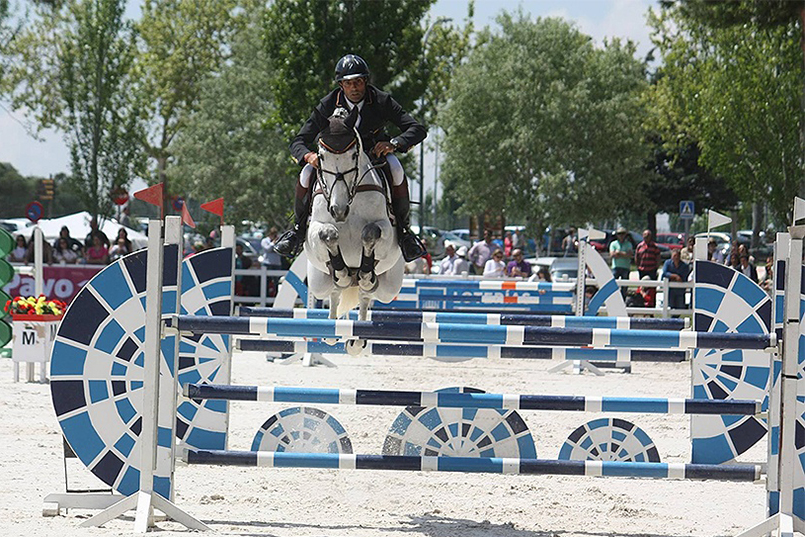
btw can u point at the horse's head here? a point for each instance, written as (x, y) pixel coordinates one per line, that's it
(339, 155)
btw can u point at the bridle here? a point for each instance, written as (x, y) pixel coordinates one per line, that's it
(353, 187)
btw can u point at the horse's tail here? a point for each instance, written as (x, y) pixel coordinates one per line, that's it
(349, 299)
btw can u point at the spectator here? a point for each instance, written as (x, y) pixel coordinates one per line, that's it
(620, 254)
(516, 239)
(648, 293)
(747, 268)
(676, 270)
(687, 251)
(768, 280)
(449, 261)
(17, 255)
(647, 256)
(508, 244)
(735, 261)
(98, 253)
(713, 253)
(94, 230)
(63, 254)
(481, 252)
(120, 248)
(123, 234)
(518, 267)
(461, 267)
(241, 262)
(543, 275)
(271, 259)
(47, 251)
(417, 266)
(570, 244)
(72, 243)
(495, 267)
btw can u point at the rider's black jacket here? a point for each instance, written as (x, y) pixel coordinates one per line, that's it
(378, 109)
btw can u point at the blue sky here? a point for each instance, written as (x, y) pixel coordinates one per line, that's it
(598, 18)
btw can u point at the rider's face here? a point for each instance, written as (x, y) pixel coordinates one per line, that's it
(354, 89)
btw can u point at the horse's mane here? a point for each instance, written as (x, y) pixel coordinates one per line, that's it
(339, 135)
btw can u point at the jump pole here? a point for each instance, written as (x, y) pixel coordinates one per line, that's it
(473, 334)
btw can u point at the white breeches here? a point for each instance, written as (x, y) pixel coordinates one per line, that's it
(308, 172)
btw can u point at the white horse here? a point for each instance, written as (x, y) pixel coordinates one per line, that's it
(353, 255)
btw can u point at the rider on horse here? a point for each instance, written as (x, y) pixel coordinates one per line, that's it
(376, 109)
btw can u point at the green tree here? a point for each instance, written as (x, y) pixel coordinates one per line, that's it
(182, 43)
(544, 126)
(72, 71)
(16, 191)
(228, 148)
(736, 90)
(305, 39)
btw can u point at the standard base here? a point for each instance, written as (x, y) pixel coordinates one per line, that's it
(145, 503)
(308, 359)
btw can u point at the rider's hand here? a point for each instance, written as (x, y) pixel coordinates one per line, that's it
(381, 149)
(312, 159)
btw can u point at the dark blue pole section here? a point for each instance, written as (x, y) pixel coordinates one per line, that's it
(737, 472)
(475, 318)
(221, 391)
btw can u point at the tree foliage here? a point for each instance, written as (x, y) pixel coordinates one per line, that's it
(182, 43)
(72, 71)
(544, 126)
(305, 39)
(228, 148)
(736, 90)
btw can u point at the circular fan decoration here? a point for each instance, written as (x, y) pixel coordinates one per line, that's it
(609, 439)
(459, 432)
(302, 430)
(727, 301)
(97, 366)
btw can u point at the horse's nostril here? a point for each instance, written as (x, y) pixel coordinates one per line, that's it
(346, 213)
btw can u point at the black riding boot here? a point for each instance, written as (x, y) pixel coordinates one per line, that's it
(292, 241)
(412, 248)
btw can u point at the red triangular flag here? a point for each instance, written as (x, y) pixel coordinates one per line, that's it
(152, 195)
(186, 218)
(215, 207)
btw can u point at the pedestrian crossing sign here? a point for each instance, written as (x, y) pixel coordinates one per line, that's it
(686, 210)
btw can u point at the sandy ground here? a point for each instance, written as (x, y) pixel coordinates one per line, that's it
(268, 502)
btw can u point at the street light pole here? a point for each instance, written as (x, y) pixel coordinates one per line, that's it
(439, 20)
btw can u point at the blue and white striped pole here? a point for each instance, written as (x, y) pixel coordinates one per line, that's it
(493, 465)
(556, 321)
(335, 396)
(468, 333)
(448, 352)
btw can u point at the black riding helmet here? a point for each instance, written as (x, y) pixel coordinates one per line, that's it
(351, 66)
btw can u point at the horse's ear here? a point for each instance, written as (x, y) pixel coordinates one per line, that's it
(352, 118)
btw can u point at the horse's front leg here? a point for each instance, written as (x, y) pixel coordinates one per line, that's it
(328, 234)
(367, 279)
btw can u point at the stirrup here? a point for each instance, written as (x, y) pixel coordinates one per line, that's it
(288, 244)
(410, 245)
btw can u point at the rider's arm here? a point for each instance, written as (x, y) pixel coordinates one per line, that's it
(303, 141)
(412, 132)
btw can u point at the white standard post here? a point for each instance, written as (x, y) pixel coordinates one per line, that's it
(39, 289)
(782, 523)
(145, 500)
(581, 279)
(228, 241)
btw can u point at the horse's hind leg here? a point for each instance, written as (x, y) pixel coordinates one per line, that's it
(367, 279)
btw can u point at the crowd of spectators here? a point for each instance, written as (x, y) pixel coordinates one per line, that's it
(96, 248)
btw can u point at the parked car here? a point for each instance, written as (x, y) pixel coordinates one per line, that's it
(674, 241)
(434, 240)
(462, 233)
(561, 268)
(456, 240)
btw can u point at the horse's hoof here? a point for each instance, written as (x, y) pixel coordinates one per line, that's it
(368, 282)
(330, 341)
(355, 347)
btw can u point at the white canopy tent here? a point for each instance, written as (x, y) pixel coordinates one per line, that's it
(79, 227)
